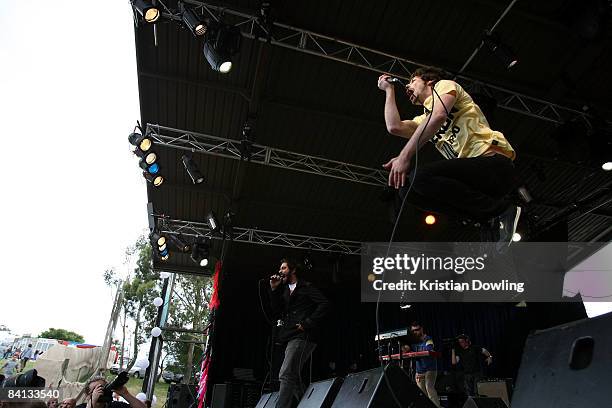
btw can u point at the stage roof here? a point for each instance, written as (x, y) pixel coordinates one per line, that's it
(297, 100)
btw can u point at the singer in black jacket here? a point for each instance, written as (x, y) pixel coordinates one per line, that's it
(299, 308)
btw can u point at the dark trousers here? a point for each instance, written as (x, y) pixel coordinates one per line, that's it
(297, 353)
(474, 187)
(469, 382)
(24, 361)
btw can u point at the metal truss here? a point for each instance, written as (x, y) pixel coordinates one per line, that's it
(254, 27)
(269, 156)
(261, 237)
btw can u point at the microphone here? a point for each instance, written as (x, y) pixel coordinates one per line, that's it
(394, 80)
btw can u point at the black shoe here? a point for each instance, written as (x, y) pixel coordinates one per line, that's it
(508, 221)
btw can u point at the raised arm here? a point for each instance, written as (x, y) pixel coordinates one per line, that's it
(395, 125)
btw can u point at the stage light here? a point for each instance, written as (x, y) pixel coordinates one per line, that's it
(218, 61)
(430, 219)
(157, 239)
(516, 237)
(150, 168)
(499, 49)
(142, 142)
(179, 244)
(192, 21)
(200, 252)
(220, 44)
(149, 157)
(155, 180)
(607, 166)
(146, 10)
(192, 169)
(211, 220)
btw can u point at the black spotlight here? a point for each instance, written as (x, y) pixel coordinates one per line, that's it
(149, 157)
(151, 168)
(499, 49)
(213, 222)
(192, 21)
(179, 244)
(159, 243)
(192, 169)
(200, 252)
(157, 179)
(149, 12)
(140, 141)
(220, 44)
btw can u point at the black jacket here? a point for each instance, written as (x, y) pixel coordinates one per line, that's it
(306, 306)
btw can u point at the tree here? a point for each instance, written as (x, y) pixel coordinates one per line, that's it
(62, 334)
(139, 290)
(189, 309)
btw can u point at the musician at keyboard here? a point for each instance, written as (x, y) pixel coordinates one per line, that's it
(426, 367)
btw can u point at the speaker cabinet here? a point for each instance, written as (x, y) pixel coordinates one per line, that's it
(372, 389)
(321, 394)
(567, 366)
(181, 396)
(268, 400)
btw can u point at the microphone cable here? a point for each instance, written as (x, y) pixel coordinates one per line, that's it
(416, 162)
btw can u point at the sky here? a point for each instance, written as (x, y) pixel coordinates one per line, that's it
(73, 196)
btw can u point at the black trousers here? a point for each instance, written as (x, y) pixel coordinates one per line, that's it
(473, 187)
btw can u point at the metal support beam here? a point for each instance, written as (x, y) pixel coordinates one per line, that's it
(261, 237)
(320, 45)
(149, 381)
(269, 156)
(181, 330)
(184, 341)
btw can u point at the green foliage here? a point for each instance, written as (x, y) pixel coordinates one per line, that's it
(139, 290)
(62, 334)
(189, 308)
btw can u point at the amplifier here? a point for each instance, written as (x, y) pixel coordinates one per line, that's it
(495, 388)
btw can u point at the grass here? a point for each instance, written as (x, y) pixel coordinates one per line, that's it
(134, 385)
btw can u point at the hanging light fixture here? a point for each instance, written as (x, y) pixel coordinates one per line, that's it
(192, 21)
(156, 180)
(149, 13)
(200, 252)
(140, 141)
(213, 223)
(192, 169)
(503, 52)
(220, 44)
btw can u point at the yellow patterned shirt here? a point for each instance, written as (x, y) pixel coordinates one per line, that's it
(466, 132)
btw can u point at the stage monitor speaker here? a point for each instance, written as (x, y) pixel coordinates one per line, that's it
(484, 402)
(372, 389)
(181, 396)
(567, 366)
(268, 400)
(495, 388)
(221, 396)
(321, 394)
